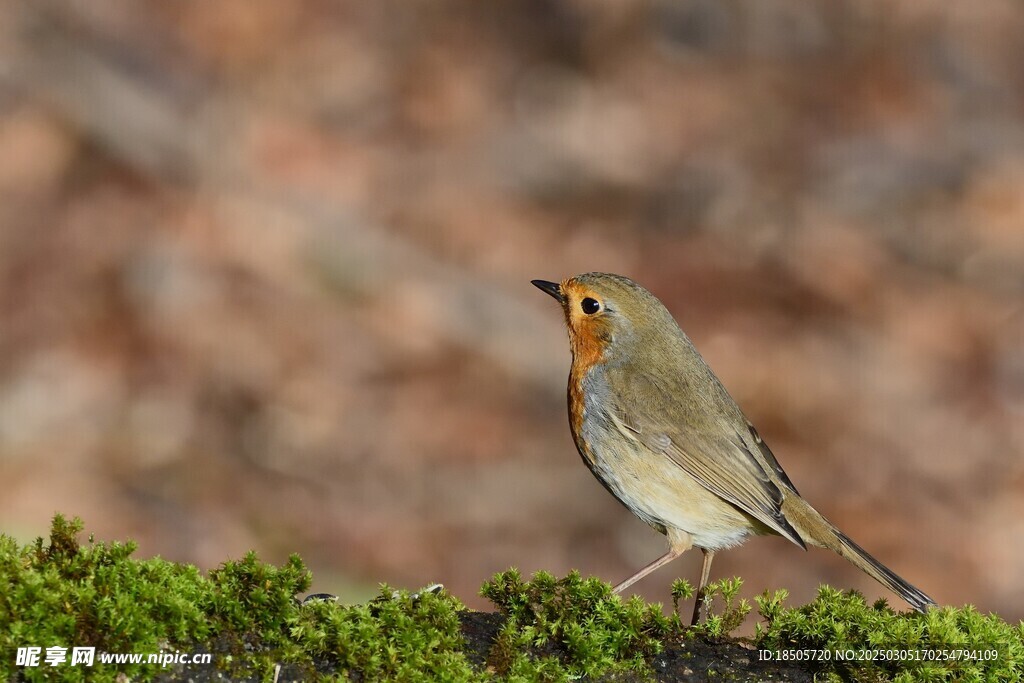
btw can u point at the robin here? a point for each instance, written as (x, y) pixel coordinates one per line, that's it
(660, 432)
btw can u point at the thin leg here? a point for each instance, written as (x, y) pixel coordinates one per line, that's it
(705, 573)
(672, 554)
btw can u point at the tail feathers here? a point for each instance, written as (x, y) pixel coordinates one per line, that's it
(816, 530)
(885, 576)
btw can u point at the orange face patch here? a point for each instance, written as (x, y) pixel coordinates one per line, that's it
(589, 333)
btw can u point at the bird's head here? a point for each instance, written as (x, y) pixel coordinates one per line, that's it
(607, 314)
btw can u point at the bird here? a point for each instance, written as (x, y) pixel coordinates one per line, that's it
(661, 433)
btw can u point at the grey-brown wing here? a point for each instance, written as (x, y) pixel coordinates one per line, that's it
(769, 457)
(726, 466)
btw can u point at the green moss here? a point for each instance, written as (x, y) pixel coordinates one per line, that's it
(63, 593)
(561, 628)
(722, 622)
(66, 594)
(886, 645)
(397, 636)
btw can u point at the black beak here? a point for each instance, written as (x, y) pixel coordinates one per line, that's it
(551, 288)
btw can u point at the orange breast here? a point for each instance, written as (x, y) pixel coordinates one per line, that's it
(589, 339)
(586, 353)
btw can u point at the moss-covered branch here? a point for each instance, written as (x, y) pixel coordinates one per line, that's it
(247, 615)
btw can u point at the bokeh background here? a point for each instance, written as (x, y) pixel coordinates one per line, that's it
(264, 275)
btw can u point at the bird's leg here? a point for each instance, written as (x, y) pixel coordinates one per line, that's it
(678, 543)
(672, 554)
(705, 573)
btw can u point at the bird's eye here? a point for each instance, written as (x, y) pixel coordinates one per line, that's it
(590, 306)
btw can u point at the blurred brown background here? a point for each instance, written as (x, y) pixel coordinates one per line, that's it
(264, 275)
